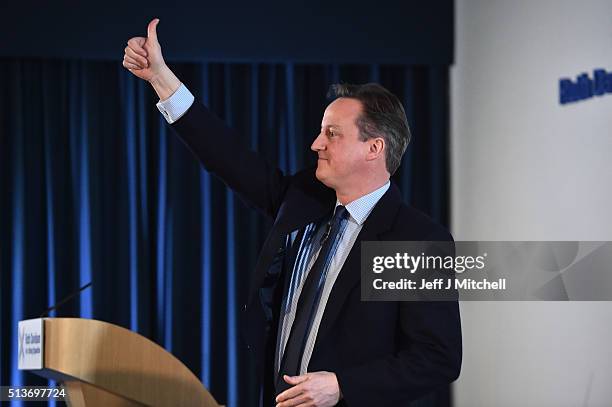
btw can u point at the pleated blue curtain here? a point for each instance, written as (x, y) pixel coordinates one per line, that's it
(95, 187)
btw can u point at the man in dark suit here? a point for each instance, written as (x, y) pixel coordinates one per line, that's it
(316, 342)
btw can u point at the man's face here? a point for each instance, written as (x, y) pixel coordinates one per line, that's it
(342, 156)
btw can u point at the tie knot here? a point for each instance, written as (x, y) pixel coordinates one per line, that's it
(340, 214)
(334, 223)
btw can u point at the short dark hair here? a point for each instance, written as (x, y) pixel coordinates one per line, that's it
(383, 116)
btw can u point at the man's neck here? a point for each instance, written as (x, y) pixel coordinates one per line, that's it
(348, 196)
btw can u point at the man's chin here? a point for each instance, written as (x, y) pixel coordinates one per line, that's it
(320, 174)
(321, 177)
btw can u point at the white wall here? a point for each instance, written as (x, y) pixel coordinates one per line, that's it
(525, 167)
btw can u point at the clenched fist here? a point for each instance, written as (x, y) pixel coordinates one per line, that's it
(143, 57)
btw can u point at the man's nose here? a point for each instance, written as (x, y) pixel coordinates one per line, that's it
(318, 144)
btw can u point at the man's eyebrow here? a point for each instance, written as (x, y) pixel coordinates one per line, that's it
(334, 126)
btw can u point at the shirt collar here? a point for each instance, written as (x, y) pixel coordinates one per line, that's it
(360, 208)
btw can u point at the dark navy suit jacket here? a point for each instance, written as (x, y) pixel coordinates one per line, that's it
(383, 353)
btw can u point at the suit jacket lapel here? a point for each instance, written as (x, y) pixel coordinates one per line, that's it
(380, 220)
(314, 202)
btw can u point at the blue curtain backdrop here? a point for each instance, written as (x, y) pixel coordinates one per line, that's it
(94, 187)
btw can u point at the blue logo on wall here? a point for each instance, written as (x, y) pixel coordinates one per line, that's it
(585, 87)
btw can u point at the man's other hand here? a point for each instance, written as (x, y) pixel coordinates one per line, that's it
(143, 56)
(317, 389)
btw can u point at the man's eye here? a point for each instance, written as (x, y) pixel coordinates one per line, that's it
(331, 133)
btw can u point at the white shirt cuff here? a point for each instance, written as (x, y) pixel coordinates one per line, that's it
(176, 105)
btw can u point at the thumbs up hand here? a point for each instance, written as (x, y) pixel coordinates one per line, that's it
(143, 56)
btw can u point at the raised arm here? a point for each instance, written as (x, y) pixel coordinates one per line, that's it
(215, 145)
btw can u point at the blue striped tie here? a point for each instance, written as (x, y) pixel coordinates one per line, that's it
(309, 300)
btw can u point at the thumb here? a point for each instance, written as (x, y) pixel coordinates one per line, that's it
(152, 29)
(293, 380)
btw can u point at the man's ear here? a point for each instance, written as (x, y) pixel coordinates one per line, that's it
(376, 148)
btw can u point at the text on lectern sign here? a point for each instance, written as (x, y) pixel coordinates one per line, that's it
(31, 344)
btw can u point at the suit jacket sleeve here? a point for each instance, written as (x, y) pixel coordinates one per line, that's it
(432, 360)
(428, 357)
(220, 151)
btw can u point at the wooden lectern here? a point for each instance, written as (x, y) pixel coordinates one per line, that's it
(101, 364)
